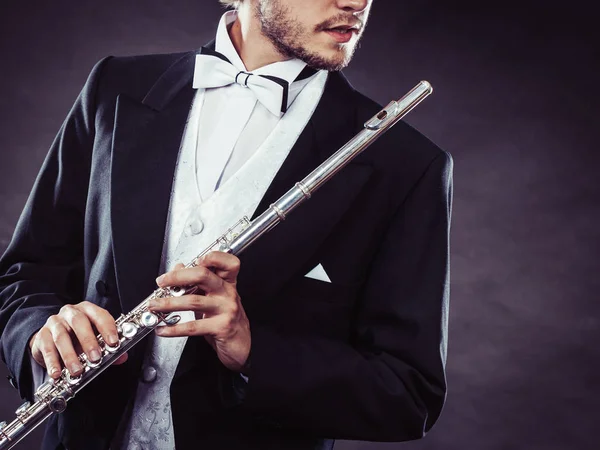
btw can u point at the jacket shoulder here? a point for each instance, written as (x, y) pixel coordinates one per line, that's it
(135, 75)
(400, 149)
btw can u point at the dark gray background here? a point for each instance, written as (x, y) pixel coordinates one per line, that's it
(515, 103)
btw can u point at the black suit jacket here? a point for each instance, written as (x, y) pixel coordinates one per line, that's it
(361, 357)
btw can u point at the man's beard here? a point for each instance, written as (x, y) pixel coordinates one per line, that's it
(286, 35)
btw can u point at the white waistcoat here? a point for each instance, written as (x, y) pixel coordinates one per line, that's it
(192, 226)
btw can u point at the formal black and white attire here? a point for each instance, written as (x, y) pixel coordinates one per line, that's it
(347, 299)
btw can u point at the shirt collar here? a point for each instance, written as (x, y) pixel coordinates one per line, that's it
(287, 70)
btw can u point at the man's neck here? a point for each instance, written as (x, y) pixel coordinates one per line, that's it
(254, 48)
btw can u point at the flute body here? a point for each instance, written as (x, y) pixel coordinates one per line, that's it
(52, 396)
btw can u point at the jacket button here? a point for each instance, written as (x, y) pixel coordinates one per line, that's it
(102, 288)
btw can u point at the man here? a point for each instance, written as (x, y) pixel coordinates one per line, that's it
(331, 326)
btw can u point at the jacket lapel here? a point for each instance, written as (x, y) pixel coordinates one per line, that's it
(285, 250)
(146, 142)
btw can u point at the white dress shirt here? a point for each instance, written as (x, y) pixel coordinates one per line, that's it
(231, 149)
(231, 125)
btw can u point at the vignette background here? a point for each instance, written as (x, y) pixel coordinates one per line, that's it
(516, 103)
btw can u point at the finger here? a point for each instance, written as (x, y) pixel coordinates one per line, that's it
(202, 277)
(186, 303)
(35, 351)
(102, 320)
(82, 327)
(121, 359)
(64, 345)
(193, 328)
(48, 356)
(225, 265)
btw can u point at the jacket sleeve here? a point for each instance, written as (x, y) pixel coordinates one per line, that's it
(42, 269)
(389, 384)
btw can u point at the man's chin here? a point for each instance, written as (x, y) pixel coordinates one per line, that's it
(332, 60)
(320, 55)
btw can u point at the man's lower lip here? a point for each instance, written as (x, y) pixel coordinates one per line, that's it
(340, 37)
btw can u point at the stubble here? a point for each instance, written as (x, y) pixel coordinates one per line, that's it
(289, 37)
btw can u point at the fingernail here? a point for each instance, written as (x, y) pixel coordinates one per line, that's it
(152, 304)
(75, 368)
(53, 371)
(95, 355)
(160, 279)
(113, 339)
(159, 330)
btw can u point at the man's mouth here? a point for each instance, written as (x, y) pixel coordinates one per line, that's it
(344, 29)
(342, 33)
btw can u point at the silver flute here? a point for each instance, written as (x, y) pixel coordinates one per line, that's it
(52, 396)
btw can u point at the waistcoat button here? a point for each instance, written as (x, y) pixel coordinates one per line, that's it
(148, 374)
(195, 227)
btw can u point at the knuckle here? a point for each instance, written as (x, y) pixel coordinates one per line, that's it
(233, 308)
(167, 279)
(77, 316)
(42, 335)
(57, 326)
(236, 264)
(196, 301)
(52, 321)
(228, 323)
(47, 349)
(58, 330)
(60, 333)
(166, 331)
(42, 341)
(89, 342)
(210, 256)
(66, 309)
(231, 292)
(79, 323)
(45, 345)
(70, 313)
(203, 272)
(102, 317)
(87, 308)
(166, 302)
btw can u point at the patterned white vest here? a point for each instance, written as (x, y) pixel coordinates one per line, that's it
(192, 226)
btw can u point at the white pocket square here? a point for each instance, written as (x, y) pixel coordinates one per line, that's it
(318, 273)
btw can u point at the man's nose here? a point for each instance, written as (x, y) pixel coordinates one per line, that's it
(353, 5)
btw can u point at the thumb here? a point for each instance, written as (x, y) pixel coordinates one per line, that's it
(121, 359)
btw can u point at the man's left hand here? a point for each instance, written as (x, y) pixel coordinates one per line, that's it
(220, 317)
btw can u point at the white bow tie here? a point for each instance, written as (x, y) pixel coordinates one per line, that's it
(214, 70)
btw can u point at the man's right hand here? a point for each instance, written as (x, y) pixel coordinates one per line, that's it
(53, 346)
